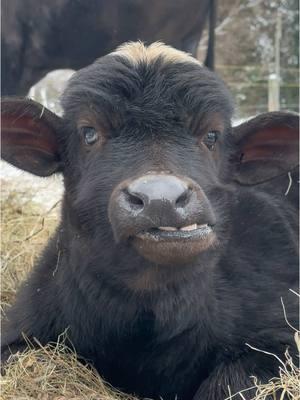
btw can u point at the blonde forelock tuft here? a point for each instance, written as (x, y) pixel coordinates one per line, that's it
(137, 52)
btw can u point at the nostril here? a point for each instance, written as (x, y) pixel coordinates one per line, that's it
(134, 200)
(183, 199)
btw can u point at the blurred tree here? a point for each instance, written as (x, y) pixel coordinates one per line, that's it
(245, 53)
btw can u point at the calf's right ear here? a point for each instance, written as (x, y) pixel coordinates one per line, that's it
(29, 136)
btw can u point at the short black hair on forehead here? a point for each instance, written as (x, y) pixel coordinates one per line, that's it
(115, 82)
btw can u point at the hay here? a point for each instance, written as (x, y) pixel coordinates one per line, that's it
(26, 227)
(53, 372)
(286, 386)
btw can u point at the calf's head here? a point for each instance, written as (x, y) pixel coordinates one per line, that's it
(147, 152)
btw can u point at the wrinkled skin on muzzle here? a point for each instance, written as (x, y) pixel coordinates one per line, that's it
(168, 219)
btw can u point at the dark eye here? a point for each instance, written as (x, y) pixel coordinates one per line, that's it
(90, 135)
(210, 139)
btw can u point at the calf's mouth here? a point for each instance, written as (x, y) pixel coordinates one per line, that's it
(170, 233)
(170, 245)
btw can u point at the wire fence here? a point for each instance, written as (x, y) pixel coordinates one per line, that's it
(250, 86)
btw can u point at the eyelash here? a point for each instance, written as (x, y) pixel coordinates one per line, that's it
(210, 139)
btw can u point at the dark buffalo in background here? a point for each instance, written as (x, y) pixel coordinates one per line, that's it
(178, 233)
(41, 36)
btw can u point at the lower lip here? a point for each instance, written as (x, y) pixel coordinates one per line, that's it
(202, 232)
(174, 247)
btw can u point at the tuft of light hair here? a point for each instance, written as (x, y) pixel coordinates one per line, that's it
(137, 52)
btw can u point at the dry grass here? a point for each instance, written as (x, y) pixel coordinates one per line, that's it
(285, 386)
(25, 228)
(53, 372)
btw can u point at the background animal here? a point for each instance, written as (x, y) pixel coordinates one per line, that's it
(178, 233)
(38, 37)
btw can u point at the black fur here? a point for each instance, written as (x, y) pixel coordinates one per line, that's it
(41, 37)
(184, 334)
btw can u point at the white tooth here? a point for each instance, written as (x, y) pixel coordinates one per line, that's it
(202, 226)
(167, 228)
(189, 227)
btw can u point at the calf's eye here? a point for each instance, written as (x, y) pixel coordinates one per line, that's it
(210, 139)
(90, 135)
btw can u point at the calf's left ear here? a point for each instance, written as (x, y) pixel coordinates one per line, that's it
(267, 146)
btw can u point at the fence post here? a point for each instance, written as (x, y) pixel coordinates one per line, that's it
(274, 79)
(273, 92)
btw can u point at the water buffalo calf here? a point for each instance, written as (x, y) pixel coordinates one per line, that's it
(177, 235)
